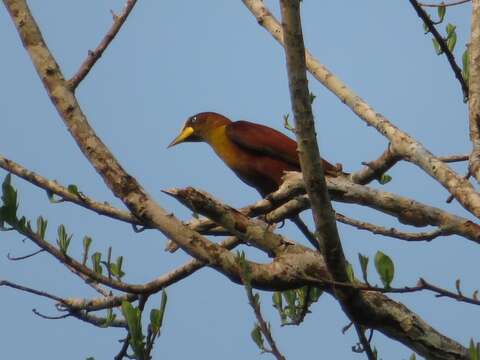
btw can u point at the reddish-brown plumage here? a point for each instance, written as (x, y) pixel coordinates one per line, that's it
(259, 155)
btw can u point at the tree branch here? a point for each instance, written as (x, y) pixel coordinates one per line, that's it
(94, 55)
(402, 143)
(376, 168)
(474, 84)
(51, 186)
(443, 45)
(391, 232)
(453, 3)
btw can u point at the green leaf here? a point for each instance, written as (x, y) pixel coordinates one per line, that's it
(441, 10)
(8, 211)
(109, 318)
(163, 305)
(350, 273)
(286, 123)
(315, 294)
(385, 268)
(22, 224)
(474, 350)
(465, 62)
(452, 41)
(133, 316)
(245, 268)
(450, 29)
(277, 300)
(157, 315)
(257, 337)
(87, 241)
(41, 227)
(155, 321)
(63, 239)
(425, 28)
(413, 357)
(384, 179)
(96, 258)
(364, 265)
(436, 46)
(73, 189)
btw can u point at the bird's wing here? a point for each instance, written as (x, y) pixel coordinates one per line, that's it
(263, 140)
(268, 141)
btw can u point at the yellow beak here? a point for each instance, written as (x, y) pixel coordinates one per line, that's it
(184, 135)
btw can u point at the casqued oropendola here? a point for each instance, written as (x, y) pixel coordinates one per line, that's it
(258, 154)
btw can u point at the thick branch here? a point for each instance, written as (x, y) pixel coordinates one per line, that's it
(123, 185)
(375, 311)
(310, 160)
(474, 84)
(402, 143)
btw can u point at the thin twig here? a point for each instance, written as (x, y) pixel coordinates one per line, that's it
(421, 286)
(453, 3)
(17, 258)
(453, 158)
(94, 55)
(262, 324)
(31, 291)
(123, 351)
(364, 342)
(48, 317)
(443, 45)
(391, 232)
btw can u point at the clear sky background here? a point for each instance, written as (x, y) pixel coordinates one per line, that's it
(176, 58)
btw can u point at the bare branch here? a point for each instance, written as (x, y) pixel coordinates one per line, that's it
(376, 168)
(31, 291)
(17, 258)
(453, 158)
(474, 84)
(391, 232)
(310, 160)
(234, 221)
(94, 55)
(453, 3)
(365, 343)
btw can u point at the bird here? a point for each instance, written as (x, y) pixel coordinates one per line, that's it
(257, 154)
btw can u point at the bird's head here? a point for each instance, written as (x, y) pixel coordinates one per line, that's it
(200, 127)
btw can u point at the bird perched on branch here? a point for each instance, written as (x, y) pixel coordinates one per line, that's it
(258, 154)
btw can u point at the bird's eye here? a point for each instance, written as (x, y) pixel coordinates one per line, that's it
(193, 119)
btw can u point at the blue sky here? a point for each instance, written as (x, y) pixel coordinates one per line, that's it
(176, 58)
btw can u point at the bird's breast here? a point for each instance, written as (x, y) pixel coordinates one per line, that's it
(258, 170)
